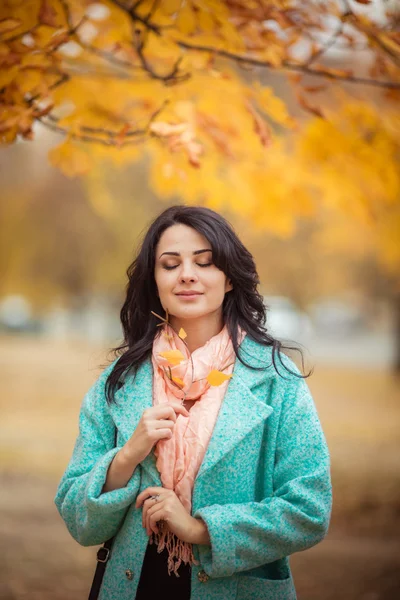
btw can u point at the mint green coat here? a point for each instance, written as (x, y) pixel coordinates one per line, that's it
(263, 489)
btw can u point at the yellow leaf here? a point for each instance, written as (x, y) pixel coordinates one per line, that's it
(7, 25)
(7, 76)
(206, 21)
(70, 159)
(174, 357)
(29, 79)
(217, 377)
(179, 381)
(186, 21)
(182, 333)
(273, 106)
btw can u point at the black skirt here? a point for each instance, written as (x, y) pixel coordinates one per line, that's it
(154, 579)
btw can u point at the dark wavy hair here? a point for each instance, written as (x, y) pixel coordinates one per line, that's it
(243, 305)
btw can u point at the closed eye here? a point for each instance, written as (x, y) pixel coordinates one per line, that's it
(169, 268)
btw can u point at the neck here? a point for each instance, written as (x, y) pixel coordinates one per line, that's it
(200, 330)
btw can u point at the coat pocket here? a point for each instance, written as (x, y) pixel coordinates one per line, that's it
(258, 588)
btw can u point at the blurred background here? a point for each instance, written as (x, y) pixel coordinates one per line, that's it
(330, 284)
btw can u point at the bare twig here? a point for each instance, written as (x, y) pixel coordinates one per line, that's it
(87, 138)
(328, 44)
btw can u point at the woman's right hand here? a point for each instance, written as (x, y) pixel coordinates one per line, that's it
(156, 423)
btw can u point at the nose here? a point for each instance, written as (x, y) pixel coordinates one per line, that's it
(187, 273)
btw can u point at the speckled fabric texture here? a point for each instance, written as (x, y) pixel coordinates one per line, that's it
(263, 488)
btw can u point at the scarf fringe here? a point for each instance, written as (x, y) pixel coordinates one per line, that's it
(178, 550)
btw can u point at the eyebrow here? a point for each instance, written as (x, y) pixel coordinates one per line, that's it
(195, 252)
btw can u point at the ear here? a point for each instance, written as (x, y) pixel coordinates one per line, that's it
(228, 285)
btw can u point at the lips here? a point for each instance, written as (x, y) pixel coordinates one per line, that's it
(193, 293)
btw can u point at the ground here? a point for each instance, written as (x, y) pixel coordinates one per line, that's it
(41, 387)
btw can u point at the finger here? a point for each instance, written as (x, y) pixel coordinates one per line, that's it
(164, 411)
(163, 423)
(147, 505)
(171, 409)
(179, 408)
(152, 520)
(163, 434)
(150, 491)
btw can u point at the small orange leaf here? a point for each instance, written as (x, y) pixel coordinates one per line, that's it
(182, 333)
(47, 14)
(179, 381)
(174, 357)
(217, 377)
(315, 110)
(166, 129)
(260, 126)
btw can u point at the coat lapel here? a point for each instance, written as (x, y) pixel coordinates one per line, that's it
(240, 412)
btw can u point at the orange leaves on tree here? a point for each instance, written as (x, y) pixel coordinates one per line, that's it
(16, 120)
(179, 136)
(311, 108)
(216, 131)
(47, 15)
(168, 72)
(273, 106)
(70, 159)
(260, 126)
(216, 378)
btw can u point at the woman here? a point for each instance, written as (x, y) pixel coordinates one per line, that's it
(221, 468)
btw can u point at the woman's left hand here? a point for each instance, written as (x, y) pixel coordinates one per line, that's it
(170, 509)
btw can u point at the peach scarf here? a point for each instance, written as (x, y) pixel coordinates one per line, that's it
(179, 458)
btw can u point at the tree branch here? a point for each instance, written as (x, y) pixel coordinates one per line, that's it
(170, 78)
(131, 11)
(288, 66)
(112, 138)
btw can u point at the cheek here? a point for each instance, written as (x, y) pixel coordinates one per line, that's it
(216, 285)
(164, 281)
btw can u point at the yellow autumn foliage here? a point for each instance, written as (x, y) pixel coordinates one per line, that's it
(183, 84)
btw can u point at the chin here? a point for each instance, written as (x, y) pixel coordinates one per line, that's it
(188, 312)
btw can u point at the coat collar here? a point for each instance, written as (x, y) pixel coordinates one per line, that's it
(243, 406)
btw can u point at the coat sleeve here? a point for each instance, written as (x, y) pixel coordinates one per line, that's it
(296, 517)
(91, 516)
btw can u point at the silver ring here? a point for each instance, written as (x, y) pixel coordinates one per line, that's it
(156, 497)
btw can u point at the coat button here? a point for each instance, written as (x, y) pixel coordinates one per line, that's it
(129, 574)
(202, 576)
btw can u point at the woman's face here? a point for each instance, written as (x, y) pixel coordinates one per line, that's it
(189, 284)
